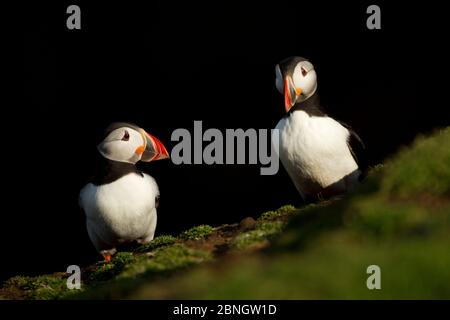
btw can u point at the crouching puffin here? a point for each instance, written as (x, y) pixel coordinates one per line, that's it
(120, 202)
(323, 156)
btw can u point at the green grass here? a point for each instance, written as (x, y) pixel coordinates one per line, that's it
(261, 235)
(197, 233)
(107, 271)
(420, 171)
(334, 269)
(160, 241)
(166, 259)
(399, 219)
(161, 263)
(277, 214)
(41, 288)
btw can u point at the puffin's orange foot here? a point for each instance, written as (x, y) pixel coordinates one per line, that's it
(107, 254)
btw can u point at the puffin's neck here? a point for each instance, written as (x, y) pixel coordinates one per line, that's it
(311, 106)
(109, 171)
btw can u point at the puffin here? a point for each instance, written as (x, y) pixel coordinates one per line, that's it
(120, 201)
(323, 156)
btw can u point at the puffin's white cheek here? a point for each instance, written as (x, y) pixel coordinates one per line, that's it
(117, 151)
(310, 83)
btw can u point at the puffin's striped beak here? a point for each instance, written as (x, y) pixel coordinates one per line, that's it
(290, 93)
(152, 149)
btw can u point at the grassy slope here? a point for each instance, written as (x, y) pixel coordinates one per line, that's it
(398, 219)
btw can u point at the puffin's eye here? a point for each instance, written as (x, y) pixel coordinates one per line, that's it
(126, 136)
(304, 71)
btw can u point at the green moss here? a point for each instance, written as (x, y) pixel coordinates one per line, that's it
(41, 288)
(273, 215)
(197, 233)
(334, 269)
(374, 216)
(108, 270)
(310, 223)
(160, 241)
(263, 233)
(249, 238)
(145, 269)
(17, 281)
(271, 228)
(411, 192)
(166, 259)
(421, 169)
(286, 209)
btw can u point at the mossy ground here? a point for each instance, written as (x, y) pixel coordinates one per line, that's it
(197, 233)
(399, 219)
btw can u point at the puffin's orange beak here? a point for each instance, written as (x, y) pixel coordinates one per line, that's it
(140, 150)
(152, 149)
(287, 96)
(290, 93)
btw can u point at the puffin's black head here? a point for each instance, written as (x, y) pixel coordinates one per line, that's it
(296, 79)
(126, 142)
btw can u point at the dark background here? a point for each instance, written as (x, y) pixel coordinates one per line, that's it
(164, 65)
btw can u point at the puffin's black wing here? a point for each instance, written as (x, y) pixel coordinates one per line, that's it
(358, 150)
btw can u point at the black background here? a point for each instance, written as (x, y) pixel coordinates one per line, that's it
(164, 65)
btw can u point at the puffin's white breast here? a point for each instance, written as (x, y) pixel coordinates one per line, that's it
(314, 149)
(124, 209)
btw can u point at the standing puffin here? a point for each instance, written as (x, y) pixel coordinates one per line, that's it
(120, 202)
(323, 156)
